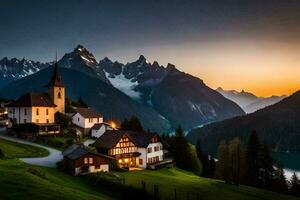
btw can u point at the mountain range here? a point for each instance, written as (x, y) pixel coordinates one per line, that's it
(276, 125)
(248, 101)
(162, 97)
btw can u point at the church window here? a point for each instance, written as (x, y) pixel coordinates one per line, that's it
(47, 111)
(37, 111)
(25, 111)
(59, 95)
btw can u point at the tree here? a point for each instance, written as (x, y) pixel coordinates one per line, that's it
(279, 183)
(222, 164)
(204, 160)
(132, 124)
(295, 185)
(82, 103)
(185, 154)
(265, 166)
(251, 156)
(63, 120)
(234, 156)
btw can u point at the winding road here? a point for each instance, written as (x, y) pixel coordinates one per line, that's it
(47, 161)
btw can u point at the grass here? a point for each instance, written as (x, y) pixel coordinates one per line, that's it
(197, 187)
(16, 150)
(21, 181)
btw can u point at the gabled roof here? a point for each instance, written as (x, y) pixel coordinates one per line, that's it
(33, 99)
(88, 112)
(110, 138)
(76, 151)
(56, 78)
(99, 125)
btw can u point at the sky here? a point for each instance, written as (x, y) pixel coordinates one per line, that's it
(235, 44)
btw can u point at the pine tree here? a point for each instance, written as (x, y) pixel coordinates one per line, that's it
(204, 160)
(295, 185)
(82, 103)
(251, 156)
(185, 154)
(133, 124)
(265, 166)
(279, 182)
(222, 164)
(234, 156)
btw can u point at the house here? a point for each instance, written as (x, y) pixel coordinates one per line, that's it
(39, 108)
(79, 160)
(133, 149)
(85, 119)
(99, 129)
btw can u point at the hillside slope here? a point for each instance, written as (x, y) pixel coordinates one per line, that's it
(192, 187)
(109, 101)
(277, 125)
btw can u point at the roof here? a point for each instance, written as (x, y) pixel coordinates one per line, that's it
(99, 125)
(87, 112)
(56, 78)
(111, 137)
(76, 151)
(33, 99)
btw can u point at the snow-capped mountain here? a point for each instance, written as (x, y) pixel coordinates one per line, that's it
(248, 101)
(160, 96)
(179, 97)
(13, 69)
(134, 79)
(81, 59)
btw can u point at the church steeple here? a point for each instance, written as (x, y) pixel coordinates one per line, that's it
(56, 90)
(56, 78)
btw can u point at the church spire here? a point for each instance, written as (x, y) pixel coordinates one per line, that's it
(56, 78)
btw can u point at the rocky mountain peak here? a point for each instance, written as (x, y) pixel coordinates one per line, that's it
(142, 59)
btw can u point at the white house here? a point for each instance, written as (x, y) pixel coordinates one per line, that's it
(86, 118)
(99, 129)
(133, 149)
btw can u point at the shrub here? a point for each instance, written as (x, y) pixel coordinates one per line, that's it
(1, 154)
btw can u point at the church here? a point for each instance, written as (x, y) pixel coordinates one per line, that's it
(39, 108)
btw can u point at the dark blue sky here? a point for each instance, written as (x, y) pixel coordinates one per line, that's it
(180, 32)
(35, 29)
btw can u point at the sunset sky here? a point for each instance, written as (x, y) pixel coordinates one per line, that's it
(253, 45)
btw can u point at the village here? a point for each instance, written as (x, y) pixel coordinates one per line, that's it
(97, 143)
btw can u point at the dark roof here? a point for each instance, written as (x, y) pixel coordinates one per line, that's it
(110, 138)
(87, 112)
(76, 151)
(33, 99)
(99, 125)
(56, 78)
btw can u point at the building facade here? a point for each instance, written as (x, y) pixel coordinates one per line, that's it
(79, 160)
(39, 108)
(132, 149)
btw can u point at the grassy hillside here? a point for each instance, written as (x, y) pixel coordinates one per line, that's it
(197, 187)
(22, 181)
(15, 150)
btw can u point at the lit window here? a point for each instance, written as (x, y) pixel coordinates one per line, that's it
(91, 160)
(86, 160)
